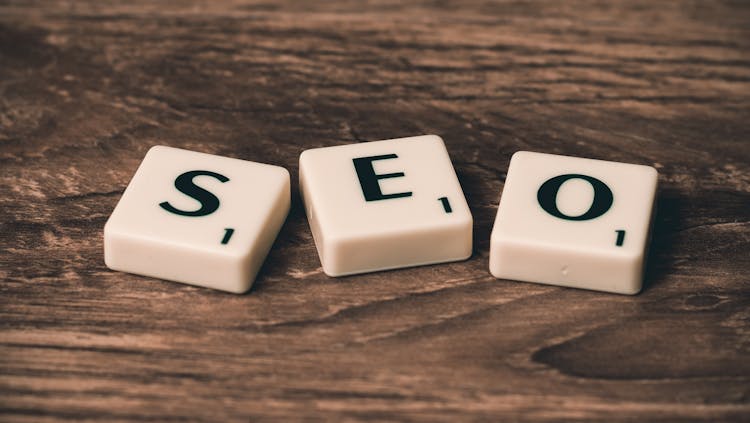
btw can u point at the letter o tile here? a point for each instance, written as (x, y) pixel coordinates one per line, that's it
(537, 237)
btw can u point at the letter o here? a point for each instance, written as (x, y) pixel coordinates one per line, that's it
(547, 197)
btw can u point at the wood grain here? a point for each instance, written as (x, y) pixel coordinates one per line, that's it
(87, 87)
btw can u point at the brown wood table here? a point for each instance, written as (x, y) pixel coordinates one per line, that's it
(87, 87)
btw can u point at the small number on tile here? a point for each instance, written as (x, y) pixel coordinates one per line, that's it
(446, 204)
(227, 235)
(620, 238)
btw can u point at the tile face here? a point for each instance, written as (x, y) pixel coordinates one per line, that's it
(573, 222)
(197, 218)
(384, 205)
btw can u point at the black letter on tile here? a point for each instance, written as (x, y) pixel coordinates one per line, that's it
(368, 179)
(547, 197)
(184, 183)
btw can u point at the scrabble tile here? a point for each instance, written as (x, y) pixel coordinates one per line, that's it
(384, 205)
(197, 218)
(573, 222)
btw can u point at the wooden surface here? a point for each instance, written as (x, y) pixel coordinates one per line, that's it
(87, 87)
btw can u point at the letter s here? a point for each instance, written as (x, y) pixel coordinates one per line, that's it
(184, 184)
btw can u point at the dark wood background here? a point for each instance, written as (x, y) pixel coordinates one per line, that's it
(87, 87)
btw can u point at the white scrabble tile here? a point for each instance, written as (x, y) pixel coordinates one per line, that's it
(384, 205)
(197, 218)
(573, 222)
